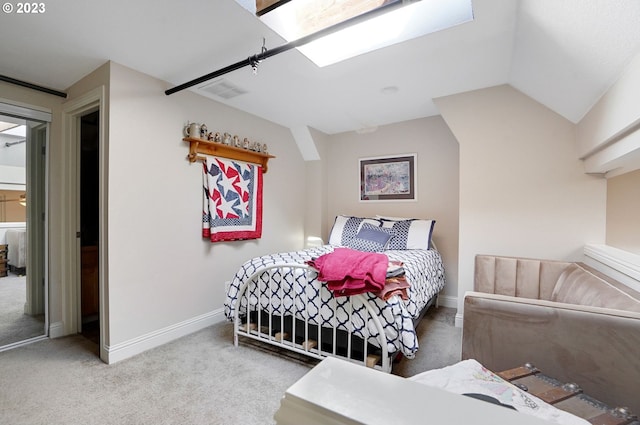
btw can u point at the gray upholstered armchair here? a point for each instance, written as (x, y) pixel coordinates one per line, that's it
(570, 321)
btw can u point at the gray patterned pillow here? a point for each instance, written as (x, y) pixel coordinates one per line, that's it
(371, 238)
(347, 227)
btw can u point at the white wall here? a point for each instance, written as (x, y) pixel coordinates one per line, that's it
(13, 176)
(161, 273)
(623, 204)
(437, 187)
(608, 137)
(523, 190)
(616, 112)
(316, 196)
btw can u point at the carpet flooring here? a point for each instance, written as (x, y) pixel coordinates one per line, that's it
(199, 379)
(16, 326)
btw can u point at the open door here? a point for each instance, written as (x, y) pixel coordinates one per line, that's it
(89, 161)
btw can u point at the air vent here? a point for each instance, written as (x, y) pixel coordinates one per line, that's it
(223, 88)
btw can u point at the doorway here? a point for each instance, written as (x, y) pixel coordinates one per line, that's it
(77, 119)
(89, 161)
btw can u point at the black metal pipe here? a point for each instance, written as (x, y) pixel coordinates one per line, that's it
(288, 46)
(9, 144)
(209, 76)
(32, 86)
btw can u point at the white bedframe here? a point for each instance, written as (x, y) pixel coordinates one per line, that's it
(304, 337)
(278, 298)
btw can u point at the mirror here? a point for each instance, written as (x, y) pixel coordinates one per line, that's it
(22, 230)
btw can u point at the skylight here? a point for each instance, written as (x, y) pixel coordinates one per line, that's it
(299, 18)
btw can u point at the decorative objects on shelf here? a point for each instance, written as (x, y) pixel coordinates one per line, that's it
(207, 147)
(202, 141)
(192, 130)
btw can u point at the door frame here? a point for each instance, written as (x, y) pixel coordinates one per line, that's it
(37, 215)
(72, 112)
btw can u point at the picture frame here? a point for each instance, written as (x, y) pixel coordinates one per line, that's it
(388, 178)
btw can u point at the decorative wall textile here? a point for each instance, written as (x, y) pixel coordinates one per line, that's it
(232, 200)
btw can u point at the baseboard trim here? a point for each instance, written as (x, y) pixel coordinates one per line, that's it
(56, 330)
(447, 301)
(22, 343)
(458, 321)
(124, 350)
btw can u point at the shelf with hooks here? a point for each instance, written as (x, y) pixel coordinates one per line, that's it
(200, 146)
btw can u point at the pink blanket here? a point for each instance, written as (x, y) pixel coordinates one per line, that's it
(351, 272)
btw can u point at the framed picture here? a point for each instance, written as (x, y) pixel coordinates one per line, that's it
(388, 178)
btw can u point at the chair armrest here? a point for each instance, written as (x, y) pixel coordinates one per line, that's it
(597, 348)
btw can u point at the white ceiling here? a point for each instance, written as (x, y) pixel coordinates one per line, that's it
(563, 53)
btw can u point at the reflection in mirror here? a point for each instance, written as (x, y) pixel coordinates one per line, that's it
(22, 291)
(12, 206)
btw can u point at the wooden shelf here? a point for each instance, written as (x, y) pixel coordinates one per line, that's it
(200, 146)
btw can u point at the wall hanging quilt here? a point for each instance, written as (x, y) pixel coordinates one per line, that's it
(232, 200)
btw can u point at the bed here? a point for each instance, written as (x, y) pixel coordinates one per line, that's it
(279, 300)
(17, 249)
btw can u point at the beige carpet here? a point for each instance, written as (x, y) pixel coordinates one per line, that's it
(199, 379)
(16, 326)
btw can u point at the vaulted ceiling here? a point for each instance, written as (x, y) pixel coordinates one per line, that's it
(562, 53)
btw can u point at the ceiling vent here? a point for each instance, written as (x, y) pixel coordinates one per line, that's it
(223, 88)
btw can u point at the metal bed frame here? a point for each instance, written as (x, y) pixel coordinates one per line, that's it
(298, 334)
